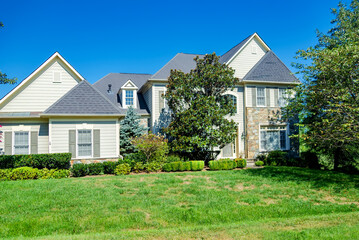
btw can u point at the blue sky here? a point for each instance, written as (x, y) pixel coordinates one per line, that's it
(99, 37)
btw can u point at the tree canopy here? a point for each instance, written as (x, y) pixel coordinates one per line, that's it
(327, 101)
(200, 107)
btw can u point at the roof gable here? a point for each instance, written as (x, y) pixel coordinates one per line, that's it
(83, 99)
(129, 85)
(233, 52)
(270, 69)
(43, 66)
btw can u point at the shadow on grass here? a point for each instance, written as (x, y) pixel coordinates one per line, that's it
(317, 178)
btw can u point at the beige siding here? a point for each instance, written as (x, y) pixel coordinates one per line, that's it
(155, 104)
(248, 93)
(245, 59)
(42, 91)
(40, 126)
(59, 131)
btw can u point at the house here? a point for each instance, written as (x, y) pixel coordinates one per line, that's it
(56, 110)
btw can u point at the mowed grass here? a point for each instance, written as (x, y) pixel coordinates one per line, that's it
(267, 203)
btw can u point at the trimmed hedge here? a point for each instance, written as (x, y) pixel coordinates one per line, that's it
(123, 169)
(109, 167)
(25, 173)
(241, 162)
(40, 161)
(95, 168)
(79, 170)
(183, 166)
(224, 164)
(259, 163)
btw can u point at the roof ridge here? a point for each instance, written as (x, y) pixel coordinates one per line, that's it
(130, 73)
(246, 39)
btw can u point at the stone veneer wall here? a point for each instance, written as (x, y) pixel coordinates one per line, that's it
(256, 116)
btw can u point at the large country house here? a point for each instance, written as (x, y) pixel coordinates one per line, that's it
(56, 110)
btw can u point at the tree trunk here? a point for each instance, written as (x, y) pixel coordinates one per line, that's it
(337, 153)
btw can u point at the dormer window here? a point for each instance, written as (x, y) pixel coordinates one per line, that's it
(129, 97)
(129, 94)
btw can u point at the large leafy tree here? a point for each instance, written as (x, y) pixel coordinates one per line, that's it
(199, 106)
(328, 100)
(130, 128)
(3, 77)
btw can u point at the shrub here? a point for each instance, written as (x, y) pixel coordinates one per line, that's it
(223, 164)
(133, 158)
(174, 158)
(109, 167)
(197, 165)
(40, 161)
(153, 167)
(276, 158)
(95, 168)
(259, 163)
(261, 157)
(309, 159)
(175, 166)
(167, 167)
(5, 174)
(24, 173)
(45, 173)
(184, 166)
(154, 147)
(79, 170)
(123, 169)
(240, 162)
(61, 173)
(138, 167)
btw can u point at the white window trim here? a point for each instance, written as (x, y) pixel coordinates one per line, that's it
(123, 94)
(287, 140)
(13, 140)
(265, 97)
(77, 143)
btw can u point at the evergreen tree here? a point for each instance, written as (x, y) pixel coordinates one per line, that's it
(130, 128)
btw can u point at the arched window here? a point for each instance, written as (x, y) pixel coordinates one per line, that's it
(234, 101)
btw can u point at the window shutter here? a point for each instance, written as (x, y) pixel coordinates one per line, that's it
(8, 143)
(276, 103)
(34, 143)
(268, 97)
(161, 101)
(254, 96)
(72, 143)
(96, 142)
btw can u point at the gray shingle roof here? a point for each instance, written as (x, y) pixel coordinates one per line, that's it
(83, 99)
(182, 61)
(117, 80)
(228, 55)
(270, 69)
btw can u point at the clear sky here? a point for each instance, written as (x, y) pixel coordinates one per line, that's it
(99, 37)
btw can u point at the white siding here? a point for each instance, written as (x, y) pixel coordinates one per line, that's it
(245, 60)
(41, 92)
(59, 129)
(40, 126)
(248, 93)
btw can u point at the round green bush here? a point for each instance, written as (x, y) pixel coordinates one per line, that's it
(95, 168)
(24, 173)
(241, 163)
(138, 167)
(109, 167)
(153, 167)
(167, 167)
(79, 170)
(197, 165)
(259, 163)
(123, 169)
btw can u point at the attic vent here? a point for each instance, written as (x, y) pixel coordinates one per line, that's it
(109, 90)
(57, 77)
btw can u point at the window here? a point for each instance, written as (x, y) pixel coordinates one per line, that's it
(162, 101)
(21, 142)
(282, 97)
(84, 143)
(234, 102)
(273, 138)
(57, 77)
(129, 98)
(254, 49)
(228, 150)
(261, 97)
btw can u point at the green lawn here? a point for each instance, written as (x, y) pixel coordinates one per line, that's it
(267, 203)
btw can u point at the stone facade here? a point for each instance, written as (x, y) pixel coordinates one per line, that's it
(256, 116)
